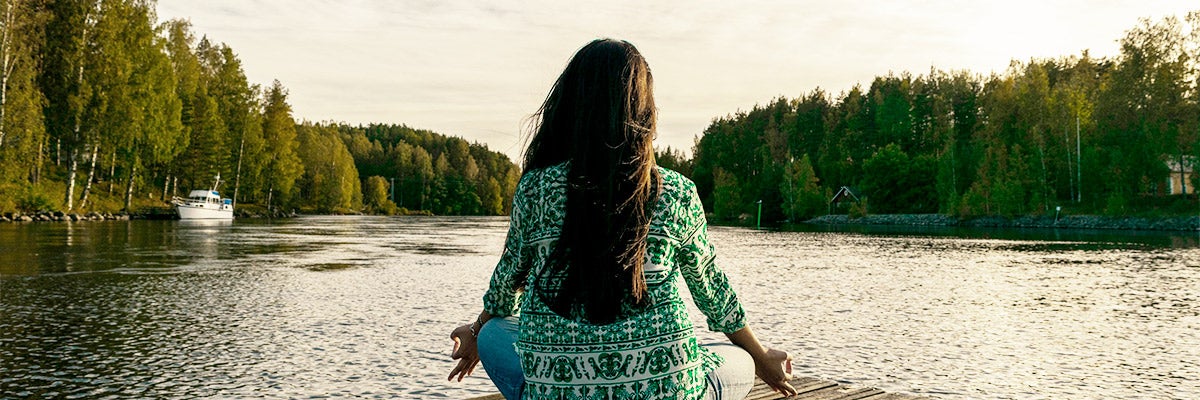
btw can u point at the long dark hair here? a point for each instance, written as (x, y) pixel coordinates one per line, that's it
(599, 117)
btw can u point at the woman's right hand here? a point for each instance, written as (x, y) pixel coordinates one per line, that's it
(775, 369)
(464, 351)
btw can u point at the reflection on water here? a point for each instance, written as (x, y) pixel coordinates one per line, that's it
(361, 306)
(978, 317)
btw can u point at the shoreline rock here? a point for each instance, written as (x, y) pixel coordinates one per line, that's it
(59, 216)
(1042, 222)
(264, 215)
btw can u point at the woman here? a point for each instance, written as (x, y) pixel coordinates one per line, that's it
(598, 239)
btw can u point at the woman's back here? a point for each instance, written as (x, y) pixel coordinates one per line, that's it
(598, 238)
(650, 352)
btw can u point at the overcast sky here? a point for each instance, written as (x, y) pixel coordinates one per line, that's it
(477, 69)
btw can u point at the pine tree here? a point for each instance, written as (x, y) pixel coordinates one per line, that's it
(282, 164)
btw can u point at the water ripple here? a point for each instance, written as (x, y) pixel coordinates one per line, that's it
(362, 306)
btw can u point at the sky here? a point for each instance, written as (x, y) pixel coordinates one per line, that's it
(479, 69)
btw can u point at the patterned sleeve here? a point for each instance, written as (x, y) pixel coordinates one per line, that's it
(502, 294)
(697, 262)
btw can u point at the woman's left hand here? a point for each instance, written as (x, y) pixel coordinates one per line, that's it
(465, 351)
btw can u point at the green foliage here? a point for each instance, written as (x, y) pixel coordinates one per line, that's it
(884, 176)
(453, 195)
(33, 199)
(947, 182)
(1091, 133)
(898, 183)
(674, 160)
(1009, 198)
(973, 203)
(741, 159)
(492, 200)
(727, 199)
(433, 172)
(21, 121)
(802, 197)
(921, 194)
(858, 209)
(283, 165)
(375, 196)
(96, 96)
(1117, 204)
(330, 181)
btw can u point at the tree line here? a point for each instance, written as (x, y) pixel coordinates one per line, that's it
(103, 108)
(1088, 134)
(423, 170)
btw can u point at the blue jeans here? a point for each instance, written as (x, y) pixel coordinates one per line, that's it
(495, 342)
(732, 380)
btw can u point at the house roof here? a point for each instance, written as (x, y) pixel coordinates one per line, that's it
(843, 194)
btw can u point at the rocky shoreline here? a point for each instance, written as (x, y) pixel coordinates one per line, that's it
(264, 214)
(59, 216)
(1067, 222)
(62, 217)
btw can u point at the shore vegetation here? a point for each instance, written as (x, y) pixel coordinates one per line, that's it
(102, 108)
(1115, 136)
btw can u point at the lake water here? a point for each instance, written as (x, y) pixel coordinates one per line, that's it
(363, 306)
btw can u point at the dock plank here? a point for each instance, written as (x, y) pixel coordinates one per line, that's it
(761, 391)
(840, 393)
(806, 389)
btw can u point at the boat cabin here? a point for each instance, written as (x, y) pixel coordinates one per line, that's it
(199, 197)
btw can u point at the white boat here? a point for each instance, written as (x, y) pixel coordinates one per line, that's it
(204, 204)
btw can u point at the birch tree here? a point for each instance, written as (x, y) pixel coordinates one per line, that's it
(65, 58)
(21, 127)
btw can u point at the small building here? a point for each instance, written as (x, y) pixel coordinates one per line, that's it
(1180, 180)
(843, 195)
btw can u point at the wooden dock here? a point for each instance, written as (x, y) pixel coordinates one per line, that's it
(806, 389)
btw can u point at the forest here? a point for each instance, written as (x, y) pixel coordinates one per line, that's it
(1114, 136)
(102, 108)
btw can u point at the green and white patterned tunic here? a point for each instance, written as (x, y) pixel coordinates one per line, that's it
(654, 353)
